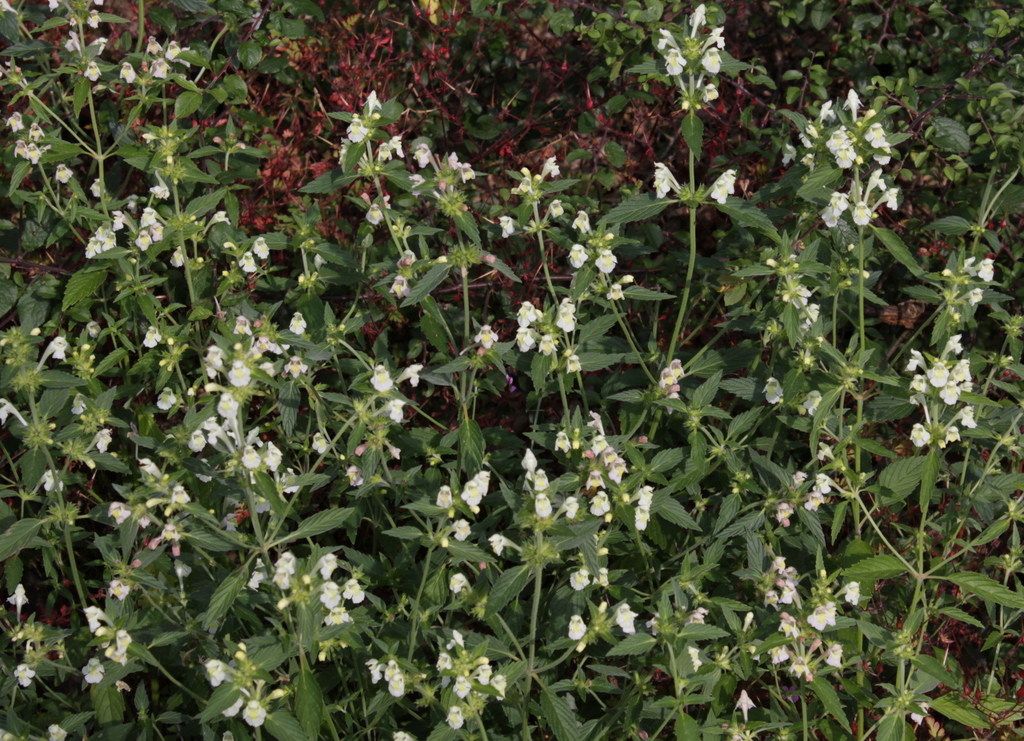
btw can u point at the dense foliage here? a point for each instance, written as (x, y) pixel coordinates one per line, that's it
(511, 370)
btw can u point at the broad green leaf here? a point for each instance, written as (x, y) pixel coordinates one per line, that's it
(186, 104)
(331, 181)
(891, 727)
(405, 532)
(421, 288)
(560, 717)
(934, 668)
(224, 596)
(950, 225)
(284, 727)
(830, 699)
(507, 587)
(988, 589)
(471, 446)
(321, 522)
(632, 645)
(637, 208)
(108, 704)
(309, 703)
(749, 216)
(902, 476)
(81, 286)
(692, 129)
(954, 706)
(18, 536)
(615, 154)
(876, 567)
(950, 135)
(899, 250)
(288, 400)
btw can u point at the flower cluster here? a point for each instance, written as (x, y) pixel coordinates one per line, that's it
(697, 55)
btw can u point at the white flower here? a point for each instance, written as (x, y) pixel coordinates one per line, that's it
(606, 261)
(119, 589)
(526, 339)
(353, 592)
(566, 320)
(298, 323)
(217, 672)
(581, 222)
(695, 657)
(579, 580)
(24, 674)
(239, 375)
(773, 391)
(381, 379)
(499, 543)
(664, 180)
(745, 704)
(455, 718)
(555, 209)
(986, 271)
(19, 599)
(724, 186)
(862, 214)
(254, 713)
(56, 733)
(458, 582)
(422, 154)
(600, 505)
(624, 618)
(128, 73)
(486, 337)
(674, 62)
(461, 529)
(577, 628)
(542, 506)
(811, 401)
(712, 61)
(577, 256)
(102, 440)
(63, 174)
(508, 226)
(834, 655)
(967, 418)
(400, 287)
(166, 400)
(823, 615)
(93, 671)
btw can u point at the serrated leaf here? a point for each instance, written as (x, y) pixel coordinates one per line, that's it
(830, 699)
(891, 727)
(902, 476)
(615, 154)
(330, 182)
(288, 399)
(950, 135)
(506, 588)
(405, 532)
(633, 645)
(692, 129)
(560, 717)
(639, 293)
(309, 703)
(284, 727)
(321, 522)
(637, 208)
(224, 596)
(422, 288)
(186, 104)
(18, 536)
(749, 216)
(81, 286)
(955, 707)
(876, 567)
(988, 589)
(950, 225)
(471, 446)
(899, 250)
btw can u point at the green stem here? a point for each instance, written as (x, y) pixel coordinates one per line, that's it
(530, 663)
(415, 614)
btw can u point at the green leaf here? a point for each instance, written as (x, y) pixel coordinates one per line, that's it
(950, 135)
(309, 703)
(250, 54)
(288, 405)
(422, 288)
(615, 154)
(749, 216)
(637, 208)
(632, 645)
(950, 225)
(891, 727)
(955, 707)
(284, 727)
(876, 567)
(471, 446)
(331, 181)
(692, 129)
(108, 704)
(817, 184)
(560, 717)
(639, 293)
(222, 698)
(321, 522)
(506, 588)
(224, 596)
(8, 295)
(830, 699)
(186, 104)
(988, 589)
(467, 225)
(902, 476)
(931, 666)
(899, 250)
(405, 532)
(18, 536)
(82, 285)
